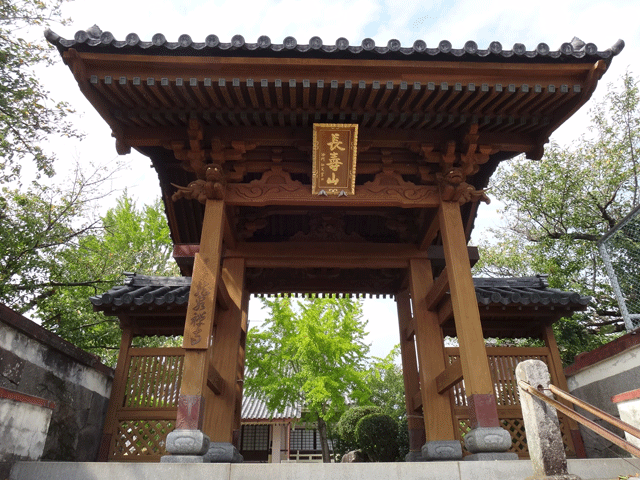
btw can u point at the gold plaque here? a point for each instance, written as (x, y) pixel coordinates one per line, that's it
(335, 146)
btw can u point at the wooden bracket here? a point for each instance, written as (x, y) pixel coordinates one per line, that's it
(449, 377)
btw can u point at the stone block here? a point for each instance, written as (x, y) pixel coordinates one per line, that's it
(442, 450)
(182, 459)
(222, 452)
(187, 442)
(487, 439)
(491, 456)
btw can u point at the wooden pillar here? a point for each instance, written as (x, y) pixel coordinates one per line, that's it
(436, 408)
(244, 326)
(220, 413)
(117, 394)
(199, 321)
(473, 355)
(410, 372)
(558, 378)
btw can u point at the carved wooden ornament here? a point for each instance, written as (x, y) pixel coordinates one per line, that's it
(201, 306)
(335, 147)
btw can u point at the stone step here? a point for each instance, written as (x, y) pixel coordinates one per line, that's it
(590, 469)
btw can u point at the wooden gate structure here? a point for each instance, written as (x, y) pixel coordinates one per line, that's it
(229, 128)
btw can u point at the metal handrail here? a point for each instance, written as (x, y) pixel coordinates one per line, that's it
(538, 393)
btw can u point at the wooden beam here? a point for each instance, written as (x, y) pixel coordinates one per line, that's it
(215, 382)
(262, 195)
(449, 377)
(325, 254)
(438, 290)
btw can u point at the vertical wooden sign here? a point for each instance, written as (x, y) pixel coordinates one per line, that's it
(201, 308)
(335, 147)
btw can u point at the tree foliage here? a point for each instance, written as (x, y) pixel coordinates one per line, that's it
(53, 257)
(27, 114)
(558, 208)
(312, 353)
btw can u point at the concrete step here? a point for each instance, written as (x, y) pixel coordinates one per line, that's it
(590, 469)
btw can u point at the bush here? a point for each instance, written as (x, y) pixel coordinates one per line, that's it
(377, 436)
(346, 427)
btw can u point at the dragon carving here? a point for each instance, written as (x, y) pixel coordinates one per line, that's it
(212, 188)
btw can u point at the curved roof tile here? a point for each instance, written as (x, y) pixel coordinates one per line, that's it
(94, 38)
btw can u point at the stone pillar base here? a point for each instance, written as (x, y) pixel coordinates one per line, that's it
(487, 440)
(222, 452)
(439, 450)
(414, 457)
(490, 456)
(186, 446)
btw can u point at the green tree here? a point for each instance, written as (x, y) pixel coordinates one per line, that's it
(27, 114)
(386, 382)
(558, 208)
(53, 258)
(312, 353)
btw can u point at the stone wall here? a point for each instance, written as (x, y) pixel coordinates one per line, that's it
(35, 362)
(599, 375)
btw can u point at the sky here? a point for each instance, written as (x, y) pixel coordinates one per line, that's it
(552, 22)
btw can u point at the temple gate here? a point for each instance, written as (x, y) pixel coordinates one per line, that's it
(229, 129)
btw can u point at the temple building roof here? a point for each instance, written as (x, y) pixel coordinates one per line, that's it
(95, 39)
(255, 410)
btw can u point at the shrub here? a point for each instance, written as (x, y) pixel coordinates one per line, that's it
(347, 424)
(377, 436)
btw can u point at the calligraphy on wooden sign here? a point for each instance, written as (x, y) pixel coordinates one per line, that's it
(201, 306)
(335, 146)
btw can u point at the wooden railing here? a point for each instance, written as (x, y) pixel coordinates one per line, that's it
(147, 407)
(616, 422)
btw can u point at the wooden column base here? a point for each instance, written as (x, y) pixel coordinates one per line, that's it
(483, 411)
(190, 412)
(417, 438)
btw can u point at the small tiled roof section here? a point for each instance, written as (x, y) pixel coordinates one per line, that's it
(525, 291)
(94, 39)
(255, 410)
(143, 290)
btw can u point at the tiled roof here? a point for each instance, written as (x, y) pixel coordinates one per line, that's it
(169, 291)
(524, 291)
(254, 409)
(95, 39)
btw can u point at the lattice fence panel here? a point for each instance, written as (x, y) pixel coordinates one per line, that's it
(503, 367)
(141, 438)
(153, 381)
(620, 250)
